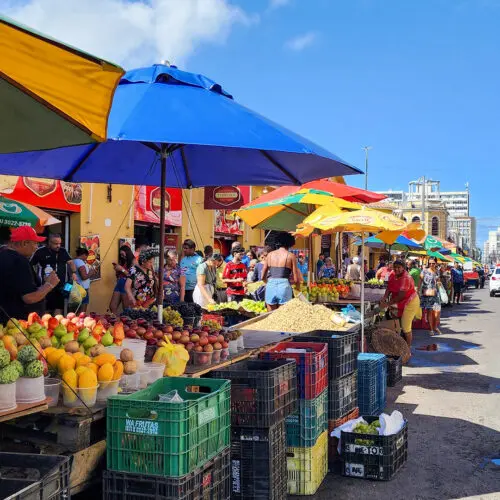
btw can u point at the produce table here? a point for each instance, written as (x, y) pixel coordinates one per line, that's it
(22, 410)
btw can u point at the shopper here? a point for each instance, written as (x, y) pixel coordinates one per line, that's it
(235, 276)
(353, 270)
(53, 257)
(208, 251)
(220, 286)
(83, 273)
(260, 265)
(414, 272)
(401, 293)
(174, 282)
(206, 279)
(234, 245)
(126, 260)
(141, 284)
(303, 265)
(189, 264)
(457, 277)
(22, 291)
(279, 272)
(251, 271)
(327, 269)
(384, 271)
(320, 263)
(429, 296)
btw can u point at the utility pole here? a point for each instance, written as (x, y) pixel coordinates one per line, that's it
(366, 149)
(423, 202)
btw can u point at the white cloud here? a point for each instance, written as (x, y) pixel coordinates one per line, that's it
(301, 42)
(276, 4)
(132, 32)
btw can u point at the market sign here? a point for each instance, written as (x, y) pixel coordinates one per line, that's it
(42, 193)
(226, 197)
(226, 222)
(171, 241)
(147, 205)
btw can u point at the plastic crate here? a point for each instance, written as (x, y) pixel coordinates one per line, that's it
(307, 467)
(342, 396)
(372, 373)
(379, 460)
(309, 421)
(146, 436)
(342, 350)
(312, 366)
(211, 482)
(34, 477)
(263, 392)
(258, 463)
(394, 370)
(333, 442)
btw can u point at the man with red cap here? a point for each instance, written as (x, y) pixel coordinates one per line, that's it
(21, 291)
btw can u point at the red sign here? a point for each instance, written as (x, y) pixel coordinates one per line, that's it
(227, 223)
(43, 193)
(147, 205)
(171, 241)
(226, 197)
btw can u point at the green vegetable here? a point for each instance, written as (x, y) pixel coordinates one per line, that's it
(34, 369)
(4, 358)
(8, 374)
(19, 367)
(27, 354)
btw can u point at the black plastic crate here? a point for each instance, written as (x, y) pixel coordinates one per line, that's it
(370, 456)
(210, 482)
(34, 477)
(342, 396)
(258, 463)
(263, 392)
(394, 370)
(342, 350)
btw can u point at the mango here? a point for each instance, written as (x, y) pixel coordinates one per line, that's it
(54, 356)
(87, 379)
(117, 370)
(71, 379)
(82, 360)
(104, 358)
(105, 373)
(66, 362)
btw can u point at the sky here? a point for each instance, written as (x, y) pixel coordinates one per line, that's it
(418, 81)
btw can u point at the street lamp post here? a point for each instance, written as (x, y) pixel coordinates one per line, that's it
(366, 149)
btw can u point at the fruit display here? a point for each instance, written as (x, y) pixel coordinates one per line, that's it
(375, 283)
(296, 316)
(330, 290)
(9, 370)
(140, 313)
(171, 317)
(365, 428)
(211, 324)
(247, 305)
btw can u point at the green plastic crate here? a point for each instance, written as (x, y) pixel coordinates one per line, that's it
(146, 436)
(308, 422)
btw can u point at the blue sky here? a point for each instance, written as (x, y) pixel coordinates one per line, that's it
(419, 81)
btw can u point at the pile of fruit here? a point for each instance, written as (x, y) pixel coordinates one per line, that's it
(248, 305)
(27, 362)
(365, 428)
(375, 283)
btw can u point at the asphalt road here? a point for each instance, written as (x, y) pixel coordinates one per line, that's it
(451, 398)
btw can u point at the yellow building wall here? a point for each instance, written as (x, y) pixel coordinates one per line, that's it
(111, 221)
(197, 223)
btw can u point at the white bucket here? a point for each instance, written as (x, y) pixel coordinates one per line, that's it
(8, 397)
(30, 390)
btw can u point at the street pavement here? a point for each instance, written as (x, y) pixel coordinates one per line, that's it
(451, 399)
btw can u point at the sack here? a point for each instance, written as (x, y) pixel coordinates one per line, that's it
(174, 357)
(77, 294)
(442, 294)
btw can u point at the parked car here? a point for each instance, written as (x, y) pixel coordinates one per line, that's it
(495, 282)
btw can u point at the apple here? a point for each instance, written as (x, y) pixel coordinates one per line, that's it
(195, 338)
(71, 315)
(203, 359)
(75, 320)
(59, 317)
(212, 339)
(217, 346)
(189, 346)
(198, 348)
(208, 348)
(130, 334)
(184, 339)
(82, 315)
(176, 336)
(169, 328)
(64, 321)
(152, 342)
(220, 338)
(203, 341)
(148, 335)
(206, 329)
(225, 345)
(140, 331)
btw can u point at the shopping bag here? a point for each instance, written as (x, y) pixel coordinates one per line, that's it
(174, 357)
(442, 294)
(77, 294)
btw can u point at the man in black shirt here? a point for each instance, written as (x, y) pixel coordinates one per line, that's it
(21, 292)
(58, 259)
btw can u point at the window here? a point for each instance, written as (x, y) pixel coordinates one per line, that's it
(416, 219)
(435, 226)
(497, 270)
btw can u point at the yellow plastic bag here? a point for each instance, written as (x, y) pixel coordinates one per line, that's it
(174, 357)
(77, 294)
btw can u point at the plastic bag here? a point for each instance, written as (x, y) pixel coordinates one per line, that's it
(170, 397)
(174, 357)
(442, 294)
(351, 314)
(77, 294)
(391, 424)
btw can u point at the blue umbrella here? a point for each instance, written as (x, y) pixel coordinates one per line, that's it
(402, 243)
(170, 128)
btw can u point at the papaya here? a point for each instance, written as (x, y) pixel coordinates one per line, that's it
(54, 356)
(66, 362)
(87, 380)
(101, 359)
(93, 367)
(71, 379)
(105, 373)
(82, 360)
(117, 370)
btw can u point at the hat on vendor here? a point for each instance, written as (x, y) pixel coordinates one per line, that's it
(25, 233)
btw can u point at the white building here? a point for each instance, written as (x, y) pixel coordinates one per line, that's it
(493, 255)
(486, 252)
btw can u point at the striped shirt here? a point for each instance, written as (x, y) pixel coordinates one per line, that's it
(234, 271)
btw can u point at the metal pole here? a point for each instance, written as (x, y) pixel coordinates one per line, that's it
(163, 184)
(362, 292)
(423, 202)
(366, 149)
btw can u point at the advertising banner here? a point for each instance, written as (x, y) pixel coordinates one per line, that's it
(226, 197)
(147, 205)
(93, 245)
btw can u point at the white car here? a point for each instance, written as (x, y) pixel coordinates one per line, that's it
(495, 282)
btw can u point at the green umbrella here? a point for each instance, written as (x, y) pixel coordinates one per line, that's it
(14, 214)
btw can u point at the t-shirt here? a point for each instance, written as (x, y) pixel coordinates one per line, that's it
(403, 284)
(44, 257)
(85, 283)
(234, 271)
(220, 273)
(457, 276)
(353, 272)
(303, 268)
(188, 268)
(209, 272)
(18, 279)
(415, 274)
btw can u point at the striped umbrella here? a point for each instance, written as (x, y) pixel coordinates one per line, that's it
(14, 214)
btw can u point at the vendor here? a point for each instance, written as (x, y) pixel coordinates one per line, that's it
(384, 272)
(279, 272)
(401, 293)
(22, 292)
(206, 279)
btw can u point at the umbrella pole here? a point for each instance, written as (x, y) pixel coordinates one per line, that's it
(362, 292)
(164, 155)
(309, 265)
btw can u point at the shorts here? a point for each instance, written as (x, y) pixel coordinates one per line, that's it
(431, 303)
(278, 291)
(120, 285)
(86, 300)
(55, 300)
(410, 312)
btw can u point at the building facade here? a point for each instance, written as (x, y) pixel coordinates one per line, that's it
(492, 247)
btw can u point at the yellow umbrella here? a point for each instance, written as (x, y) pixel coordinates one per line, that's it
(51, 95)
